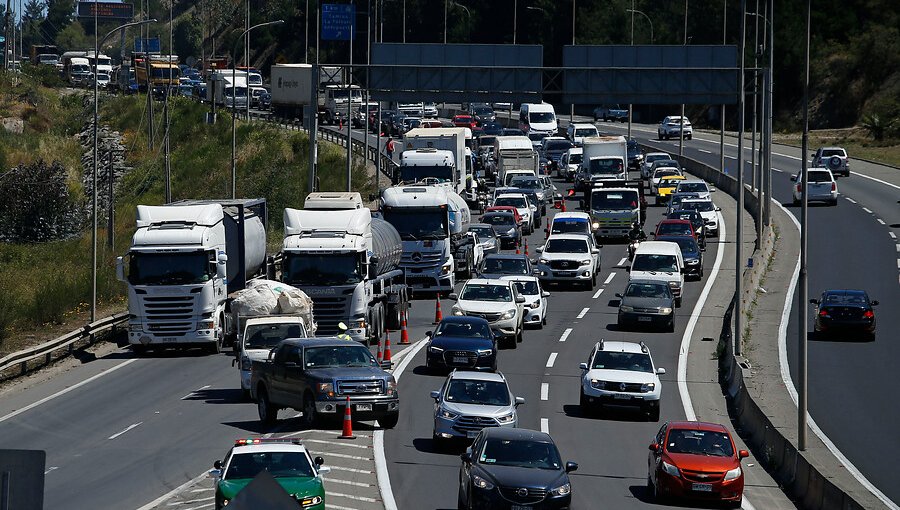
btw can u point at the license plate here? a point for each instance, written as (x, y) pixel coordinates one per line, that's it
(520, 507)
(363, 407)
(458, 359)
(169, 339)
(645, 319)
(620, 396)
(565, 273)
(471, 433)
(702, 487)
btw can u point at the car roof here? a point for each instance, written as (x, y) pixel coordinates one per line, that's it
(477, 376)
(694, 181)
(619, 346)
(666, 154)
(571, 215)
(844, 292)
(679, 239)
(674, 220)
(489, 281)
(520, 278)
(509, 195)
(268, 447)
(698, 425)
(656, 247)
(582, 125)
(481, 225)
(564, 236)
(516, 433)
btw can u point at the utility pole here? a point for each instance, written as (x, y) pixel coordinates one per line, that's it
(681, 129)
(754, 183)
(572, 106)
(166, 111)
(770, 107)
(722, 111)
(630, 106)
(349, 113)
(738, 254)
(802, 389)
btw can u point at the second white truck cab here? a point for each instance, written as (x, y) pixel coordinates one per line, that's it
(659, 261)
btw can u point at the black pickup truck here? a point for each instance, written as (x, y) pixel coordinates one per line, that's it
(316, 375)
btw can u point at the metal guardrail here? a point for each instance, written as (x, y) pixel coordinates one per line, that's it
(44, 352)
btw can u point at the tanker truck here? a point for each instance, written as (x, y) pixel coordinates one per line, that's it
(433, 222)
(347, 262)
(185, 259)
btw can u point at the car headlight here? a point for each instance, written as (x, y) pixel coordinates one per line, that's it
(457, 311)
(509, 314)
(435, 349)
(598, 384)
(326, 388)
(562, 490)
(310, 501)
(444, 413)
(225, 502)
(648, 387)
(445, 269)
(595, 225)
(391, 386)
(674, 285)
(485, 352)
(584, 262)
(692, 262)
(481, 483)
(543, 261)
(665, 310)
(732, 474)
(246, 364)
(206, 324)
(626, 308)
(670, 469)
(507, 418)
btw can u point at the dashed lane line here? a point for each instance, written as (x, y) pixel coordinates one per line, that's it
(565, 334)
(545, 391)
(351, 496)
(609, 278)
(545, 425)
(348, 482)
(850, 200)
(363, 446)
(191, 394)
(205, 505)
(337, 507)
(597, 294)
(552, 359)
(867, 210)
(352, 470)
(705, 151)
(132, 426)
(893, 235)
(623, 261)
(191, 501)
(351, 457)
(880, 221)
(583, 312)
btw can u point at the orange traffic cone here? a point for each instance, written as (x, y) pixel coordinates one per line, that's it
(438, 315)
(340, 125)
(526, 247)
(387, 346)
(378, 352)
(517, 248)
(404, 335)
(563, 207)
(347, 432)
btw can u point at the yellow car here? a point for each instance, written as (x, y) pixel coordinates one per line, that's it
(666, 187)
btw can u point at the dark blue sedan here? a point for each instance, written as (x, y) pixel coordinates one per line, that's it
(848, 311)
(461, 342)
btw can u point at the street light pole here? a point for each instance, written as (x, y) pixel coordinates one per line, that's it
(515, 13)
(802, 401)
(234, 104)
(642, 13)
(572, 106)
(97, 45)
(681, 130)
(632, 43)
(738, 254)
(722, 111)
(445, 21)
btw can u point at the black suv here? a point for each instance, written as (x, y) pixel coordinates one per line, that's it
(514, 468)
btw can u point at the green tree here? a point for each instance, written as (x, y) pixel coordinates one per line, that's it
(59, 16)
(73, 37)
(186, 38)
(32, 17)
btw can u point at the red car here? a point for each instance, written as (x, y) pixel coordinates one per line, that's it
(695, 460)
(506, 208)
(464, 121)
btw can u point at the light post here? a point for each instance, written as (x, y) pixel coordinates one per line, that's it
(804, 208)
(681, 121)
(642, 13)
(722, 111)
(572, 106)
(630, 105)
(515, 13)
(739, 222)
(234, 105)
(97, 45)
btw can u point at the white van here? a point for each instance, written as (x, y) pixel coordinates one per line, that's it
(660, 261)
(538, 118)
(576, 133)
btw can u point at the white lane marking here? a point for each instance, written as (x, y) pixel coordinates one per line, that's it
(205, 489)
(351, 457)
(545, 425)
(545, 391)
(176, 490)
(729, 157)
(351, 470)
(792, 390)
(552, 359)
(195, 391)
(623, 261)
(893, 235)
(583, 312)
(876, 180)
(898, 248)
(51, 468)
(132, 426)
(879, 220)
(350, 496)
(779, 171)
(347, 482)
(705, 151)
(190, 501)
(381, 470)
(363, 446)
(63, 392)
(898, 263)
(867, 210)
(597, 294)
(609, 278)
(565, 334)
(850, 200)
(329, 506)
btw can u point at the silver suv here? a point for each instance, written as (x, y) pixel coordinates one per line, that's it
(471, 401)
(834, 159)
(496, 301)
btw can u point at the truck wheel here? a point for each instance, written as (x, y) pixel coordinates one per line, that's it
(393, 317)
(268, 414)
(309, 417)
(139, 349)
(389, 420)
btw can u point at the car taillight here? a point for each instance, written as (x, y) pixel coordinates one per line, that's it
(833, 186)
(798, 188)
(823, 313)
(869, 314)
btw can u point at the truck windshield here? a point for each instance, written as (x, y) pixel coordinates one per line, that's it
(606, 166)
(168, 268)
(338, 356)
(613, 200)
(278, 464)
(321, 270)
(417, 173)
(419, 223)
(265, 336)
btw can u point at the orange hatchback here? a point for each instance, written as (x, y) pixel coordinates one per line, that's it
(695, 460)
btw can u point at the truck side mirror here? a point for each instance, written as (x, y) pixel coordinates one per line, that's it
(222, 266)
(120, 269)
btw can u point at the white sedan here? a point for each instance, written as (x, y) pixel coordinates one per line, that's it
(535, 299)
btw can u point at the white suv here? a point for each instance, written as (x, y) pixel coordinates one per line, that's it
(535, 299)
(569, 258)
(496, 301)
(620, 374)
(672, 126)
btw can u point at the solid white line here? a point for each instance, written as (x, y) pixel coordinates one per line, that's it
(898, 263)
(704, 151)
(545, 391)
(609, 278)
(545, 425)
(879, 220)
(363, 446)
(63, 392)
(584, 312)
(792, 390)
(876, 180)
(347, 482)
(779, 171)
(381, 470)
(174, 491)
(51, 468)
(597, 294)
(623, 261)
(195, 391)
(565, 334)
(117, 434)
(850, 200)
(190, 501)
(350, 496)
(867, 210)
(683, 390)
(552, 359)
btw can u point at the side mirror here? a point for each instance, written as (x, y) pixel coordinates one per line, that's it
(217, 464)
(324, 470)
(595, 251)
(547, 294)
(453, 297)
(619, 294)
(712, 189)
(718, 209)
(571, 466)
(466, 457)
(120, 269)
(520, 299)
(583, 366)
(271, 354)
(793, 178)
(743, 454)
(429, 334)
(435, 394)
(874, 303)
(520, 401)
(222, 266)
(319, 461)
(814, 301)
(654, 447)
(660, 371)
(539, 249)
(214, 473)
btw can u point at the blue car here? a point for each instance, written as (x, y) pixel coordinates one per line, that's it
(492, 128)
(461, 342)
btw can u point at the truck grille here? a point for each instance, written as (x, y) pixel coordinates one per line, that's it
(169, 315)
(450, 358)
(329, 311)
(473, 423)
(623, 387)
(527, 495)
(488, 316)
(363, 387)
(419, 260)
(564, 264)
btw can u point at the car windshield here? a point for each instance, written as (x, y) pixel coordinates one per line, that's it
(481, 292)
(557, 145)
(688, 245)
(647, 290)
(575, 158)
(504, 265)
(586, 132)
(278, 464)
(351, 355)
(656, 157)
(526, 183)
(664, 173)
(698, 187)
(527, 287)
(606, 166)
(667, 163)
(631, 361)
(819, 177)
(614, 200)
(520, 453)
(652, 263)
(499, 219)
(846, 299)
(482, 110)
(463, 329)
(566, 226)
(483, 231)
(541, 117)
(674, 229)
(699, 442)
(566, 246)
(264, 336)
(703, 206)
(321, 270)
(668, 183)
(488, 393)
(518, 202)
(169, 268)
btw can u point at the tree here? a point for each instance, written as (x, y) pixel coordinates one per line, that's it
(59, 16)
(37, 205)
(186, 38)
(73, 37)
(32, 17)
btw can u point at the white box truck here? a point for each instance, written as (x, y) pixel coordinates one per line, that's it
(604, 158)
(424, 156)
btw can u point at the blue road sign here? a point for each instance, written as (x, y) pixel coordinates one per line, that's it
(338, 22)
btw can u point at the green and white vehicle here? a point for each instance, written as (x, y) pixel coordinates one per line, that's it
(287, 460)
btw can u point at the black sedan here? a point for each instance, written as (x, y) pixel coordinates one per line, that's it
(647, 303)
(461, 342)
(845, 311)
(690, 252)
(514, 468)
(505, 225)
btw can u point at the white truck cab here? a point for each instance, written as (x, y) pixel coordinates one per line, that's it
(659, 261)
(259, 336)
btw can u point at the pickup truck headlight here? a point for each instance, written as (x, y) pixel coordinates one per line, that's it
(584, 262)
(444, 413)
(674, 285)
(626, 308)
(692, 262)
(392, 386)
(543, 261)
(595, 225)
(326, 389)
(598, 384)
(733, 474)
(457, 311)
(246, 364)
(665, 310)
(648, 387)
(507, 418)
(509, 314)
(562, 490)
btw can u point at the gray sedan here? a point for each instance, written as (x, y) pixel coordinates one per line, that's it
(647, 302)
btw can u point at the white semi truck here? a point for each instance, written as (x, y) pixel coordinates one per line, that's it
(603, 158)
(433, 222)
(347, 262)
(185, 259)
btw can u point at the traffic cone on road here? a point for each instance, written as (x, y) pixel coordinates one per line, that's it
(526, 247)
(404, 335)
(387, 346)
(438, 315)
(518, 252)
(347, 432)
(563, 206)
(378, 352)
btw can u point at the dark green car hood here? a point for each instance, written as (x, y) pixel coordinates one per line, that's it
(304, 486)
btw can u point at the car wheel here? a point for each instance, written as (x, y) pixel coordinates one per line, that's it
(833, 203)
(268, 414)
(389, 420)
(659, 135)
(796, 201)
(587, 410)
(139, 349)
(520, 335)
(690, 136)
(309, 417)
